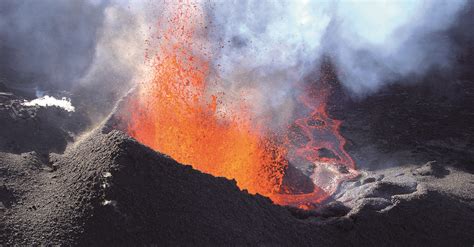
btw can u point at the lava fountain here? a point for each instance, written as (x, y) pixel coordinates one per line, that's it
(175, 114)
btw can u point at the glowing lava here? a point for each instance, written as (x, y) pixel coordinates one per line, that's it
(173, 113)
(316, 146)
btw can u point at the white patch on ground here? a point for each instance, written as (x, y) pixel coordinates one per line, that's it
(106, 174)
(47, 101)
(327, 176)
(109, 202)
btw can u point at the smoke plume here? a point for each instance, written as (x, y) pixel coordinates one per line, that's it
(372, 43)
(53, 41)
(95, 48)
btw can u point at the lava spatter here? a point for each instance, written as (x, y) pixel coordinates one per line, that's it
(174, 113)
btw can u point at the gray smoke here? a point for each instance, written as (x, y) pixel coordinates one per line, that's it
(262, 48)
(53, 41)
(93, 49)
(377, 45)
(272, 44)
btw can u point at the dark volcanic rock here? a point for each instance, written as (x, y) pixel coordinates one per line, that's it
(3, 88)
(326, 153)
(148, 198)
(111, 190)
(108, 189)
(40, 129)
(404, 124)
(296, 182)
(431, 169)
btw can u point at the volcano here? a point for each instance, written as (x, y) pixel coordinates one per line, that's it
(255, 123)
(108, 189)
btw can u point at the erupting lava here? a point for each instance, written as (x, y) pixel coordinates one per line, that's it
(173, 113)
(175, 116)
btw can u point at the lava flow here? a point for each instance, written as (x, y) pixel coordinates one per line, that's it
(316, 147)
(174, 113)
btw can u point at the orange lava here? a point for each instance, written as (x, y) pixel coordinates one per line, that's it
(321, 133)
(319, 124)
(174, 115)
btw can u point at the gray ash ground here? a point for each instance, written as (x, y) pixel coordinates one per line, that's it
(419, 123)
(104, 188)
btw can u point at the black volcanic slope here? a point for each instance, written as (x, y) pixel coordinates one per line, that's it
(108, 189)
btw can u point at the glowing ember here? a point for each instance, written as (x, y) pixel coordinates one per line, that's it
(173, 113)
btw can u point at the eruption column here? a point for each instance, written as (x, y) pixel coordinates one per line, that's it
(176, 114)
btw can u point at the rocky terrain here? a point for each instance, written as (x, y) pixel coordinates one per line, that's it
(414, 123)
(107, 189)
(34, 128)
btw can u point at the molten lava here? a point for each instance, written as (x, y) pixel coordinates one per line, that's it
(175, 116)
(316, 144)
(174, 113)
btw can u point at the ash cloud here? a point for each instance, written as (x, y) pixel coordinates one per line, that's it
(274, 44)
(93, 49)
(53, 41)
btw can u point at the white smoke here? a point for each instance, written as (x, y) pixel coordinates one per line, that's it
(48, 101)
(376, 43)
(95, 48)
(372, 43)
(118, 62)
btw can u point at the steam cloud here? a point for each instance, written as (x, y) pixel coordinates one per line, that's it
(372, 43)
(96, 48)
(47, 101)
